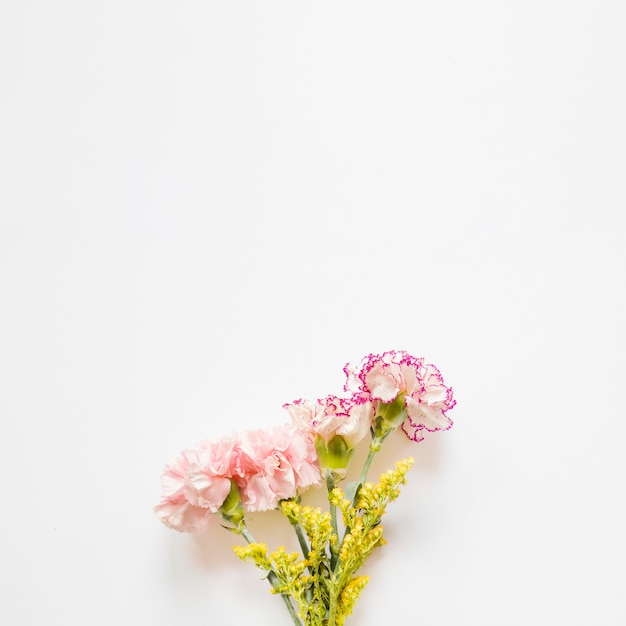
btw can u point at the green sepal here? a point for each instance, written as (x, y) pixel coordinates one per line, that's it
(232, 508)
(388, 417)
(333, 455)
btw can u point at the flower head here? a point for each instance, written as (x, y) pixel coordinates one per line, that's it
(395, 378)
(207, 479)
(336, 425)
(248, 471)
(277, 463)
(349, 418)
(174, 509)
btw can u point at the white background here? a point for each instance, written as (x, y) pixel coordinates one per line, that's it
(208, 208)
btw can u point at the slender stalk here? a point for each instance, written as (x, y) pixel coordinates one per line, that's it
(274, 581)
(366, 466)
(247, 535)
(330, 485)
(374, 448)
(304, 546)
(332, 611)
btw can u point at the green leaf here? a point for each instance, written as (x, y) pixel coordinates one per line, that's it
(352, 492)
(352, 489)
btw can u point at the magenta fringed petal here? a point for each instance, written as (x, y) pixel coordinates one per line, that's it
(383, 377)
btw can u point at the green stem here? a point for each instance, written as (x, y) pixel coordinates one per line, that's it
(304, 546)
(366, 466)
(330, 485)
(273, 580)
(335, 584)
(332, 609)
(375, 446)
(334, 553)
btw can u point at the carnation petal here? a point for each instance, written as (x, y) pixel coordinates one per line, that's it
(381, 384)
(182, 516)
(429, 417)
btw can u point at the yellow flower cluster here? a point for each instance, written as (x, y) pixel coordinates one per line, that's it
(325, 584)
(363, 534)
(373, 498)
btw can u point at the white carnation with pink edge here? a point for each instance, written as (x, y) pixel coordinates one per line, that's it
(384, 377)
(328, 417)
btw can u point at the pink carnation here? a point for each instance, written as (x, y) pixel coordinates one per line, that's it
(266, 465)
(383, 377)
(174, 509)
(207, 480)
(350, 418)
(276, 464)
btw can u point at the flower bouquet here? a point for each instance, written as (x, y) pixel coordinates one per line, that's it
(261, 470)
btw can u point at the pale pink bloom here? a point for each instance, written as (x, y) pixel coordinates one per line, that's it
(182, 516)
(349, 418)
(174, 510)
(277, 463)
(387, 375)
(207, 480)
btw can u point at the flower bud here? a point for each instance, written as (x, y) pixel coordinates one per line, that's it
(333, 455)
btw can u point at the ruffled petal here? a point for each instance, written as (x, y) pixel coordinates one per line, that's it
(431, 418)
(382, 384)
(182, 516)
